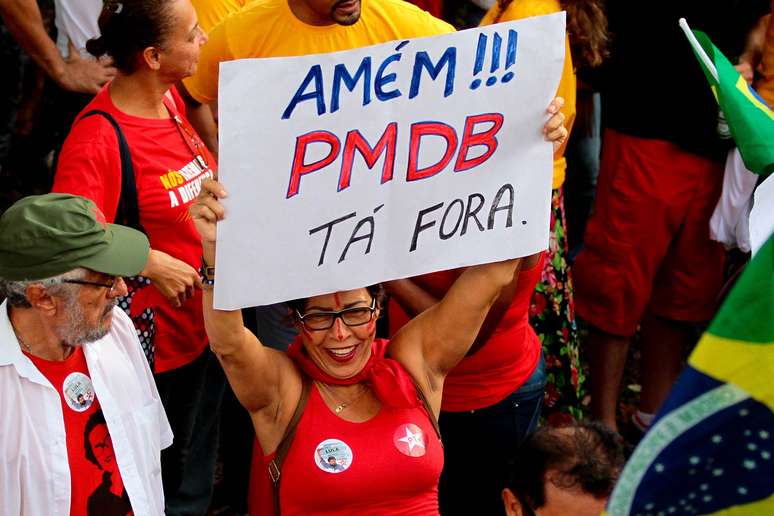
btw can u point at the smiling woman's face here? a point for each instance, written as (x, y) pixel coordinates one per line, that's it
(341, 351)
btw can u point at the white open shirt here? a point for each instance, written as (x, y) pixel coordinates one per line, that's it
(34, 472)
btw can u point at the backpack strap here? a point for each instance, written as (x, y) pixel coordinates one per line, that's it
(275, 466)
(128, 211)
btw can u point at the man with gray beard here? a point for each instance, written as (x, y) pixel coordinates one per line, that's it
(69, 356)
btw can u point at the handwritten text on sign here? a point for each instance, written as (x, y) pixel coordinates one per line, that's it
(351, 168)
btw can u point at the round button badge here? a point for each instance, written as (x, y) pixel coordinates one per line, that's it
(333, 456)
(410, 440)
(78, 391)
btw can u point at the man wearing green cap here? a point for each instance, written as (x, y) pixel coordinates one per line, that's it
(83, 425)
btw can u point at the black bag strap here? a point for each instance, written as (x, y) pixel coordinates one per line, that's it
(430, 413)
(275, 466)
(128, 211)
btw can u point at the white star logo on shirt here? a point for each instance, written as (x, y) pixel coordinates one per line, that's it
(413, 439)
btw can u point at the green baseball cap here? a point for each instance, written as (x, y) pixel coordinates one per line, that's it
(46, 235)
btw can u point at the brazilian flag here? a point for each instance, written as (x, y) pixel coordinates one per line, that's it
(750, 120)
(710, 449)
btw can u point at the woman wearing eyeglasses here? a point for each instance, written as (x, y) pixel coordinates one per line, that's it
(346, 425)
(155, 44)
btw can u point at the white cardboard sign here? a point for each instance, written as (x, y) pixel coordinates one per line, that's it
(384, 162)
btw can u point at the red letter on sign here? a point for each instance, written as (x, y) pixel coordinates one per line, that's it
(487, 138)
(355, 140)
(299, 168)
(419, 130)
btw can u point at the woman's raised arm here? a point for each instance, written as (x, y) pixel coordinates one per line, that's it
(432, 343)
(254, 371)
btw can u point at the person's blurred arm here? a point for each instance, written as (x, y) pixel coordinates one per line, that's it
(25, 23)
(414, 299)
(751, 56)
(765, 83)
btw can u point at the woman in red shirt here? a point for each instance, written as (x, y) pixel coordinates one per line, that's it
(155, 44)
(365, 439)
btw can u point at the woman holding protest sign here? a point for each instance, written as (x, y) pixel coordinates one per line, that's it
(133, 152)
(349, 423)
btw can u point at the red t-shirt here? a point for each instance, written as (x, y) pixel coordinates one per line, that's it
(96, 485)
(434, 7)
(389, 464)
(168, 178)
(504, 363)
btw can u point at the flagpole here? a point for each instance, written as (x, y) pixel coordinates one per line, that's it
(698, 48)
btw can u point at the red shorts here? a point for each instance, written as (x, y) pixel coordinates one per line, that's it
(647, 244)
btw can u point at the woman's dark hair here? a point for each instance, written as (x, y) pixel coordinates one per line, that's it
(128, 27)
(376, 291)
(587, 456)
(587, 28)
(94, 420)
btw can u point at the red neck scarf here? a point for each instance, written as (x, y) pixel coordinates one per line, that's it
(390, 383)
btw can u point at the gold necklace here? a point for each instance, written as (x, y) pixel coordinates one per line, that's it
(341, 405)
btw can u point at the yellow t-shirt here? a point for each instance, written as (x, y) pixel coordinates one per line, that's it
(268, 28)
(212, 12)
(517, 10)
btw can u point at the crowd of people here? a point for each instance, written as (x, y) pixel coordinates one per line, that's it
(459, 392)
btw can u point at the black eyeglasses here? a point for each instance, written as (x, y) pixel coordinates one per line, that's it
(110, 286)
(355, 316)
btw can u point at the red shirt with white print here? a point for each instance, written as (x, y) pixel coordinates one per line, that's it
(96, 485)
(168, 178)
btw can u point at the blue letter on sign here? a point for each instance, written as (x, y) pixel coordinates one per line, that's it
(341, 74)
(315, 74)
(423, 62)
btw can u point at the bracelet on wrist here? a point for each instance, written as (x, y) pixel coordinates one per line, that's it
(207, 273)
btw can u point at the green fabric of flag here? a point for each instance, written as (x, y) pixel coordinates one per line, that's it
(738, 346)
(750, 120)
(748, 313)
(710, 449)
